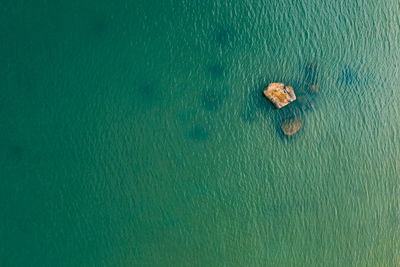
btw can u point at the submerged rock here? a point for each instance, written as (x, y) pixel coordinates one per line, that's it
(305, 102)
(100, 26)
(349, 76)
(212, 100)
(311, 73)
(249, 114)
(311, 78)
(291, 126)
(147, 95)
(224, 36)
(217, 70)
(279, 94)
(314, 88)
(198, 133)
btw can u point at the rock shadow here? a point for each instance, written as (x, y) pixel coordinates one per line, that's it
(254, 106)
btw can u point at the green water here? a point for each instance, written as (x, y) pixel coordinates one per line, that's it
(134, 133)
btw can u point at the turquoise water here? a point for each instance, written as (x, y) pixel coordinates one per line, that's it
(135, 133)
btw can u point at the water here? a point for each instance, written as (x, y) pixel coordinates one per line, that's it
(135, 134)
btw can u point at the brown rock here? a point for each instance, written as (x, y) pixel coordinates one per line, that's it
(291, 126)
(279, 94)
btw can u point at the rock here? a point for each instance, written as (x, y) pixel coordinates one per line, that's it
(279, 94)
(291, 126)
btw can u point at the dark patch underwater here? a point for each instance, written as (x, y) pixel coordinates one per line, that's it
(224, 36)
(147, 95)
(217, 70)
(212, 100)
(349, 76)
(198, 133)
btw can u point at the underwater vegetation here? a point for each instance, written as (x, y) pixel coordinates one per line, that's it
(348, 76)
(311, 74)
(311, 80)
(16, 151)
(217, 70)
(99, 26)
(198, 133)
(147, 95)
(212, 100)
(305, 102)
(248, 114)
(308, 89)
(224, 35)
(186, 116)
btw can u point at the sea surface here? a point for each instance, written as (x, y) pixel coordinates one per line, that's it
(135, 133)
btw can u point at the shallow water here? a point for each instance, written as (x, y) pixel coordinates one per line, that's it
(136, 134)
